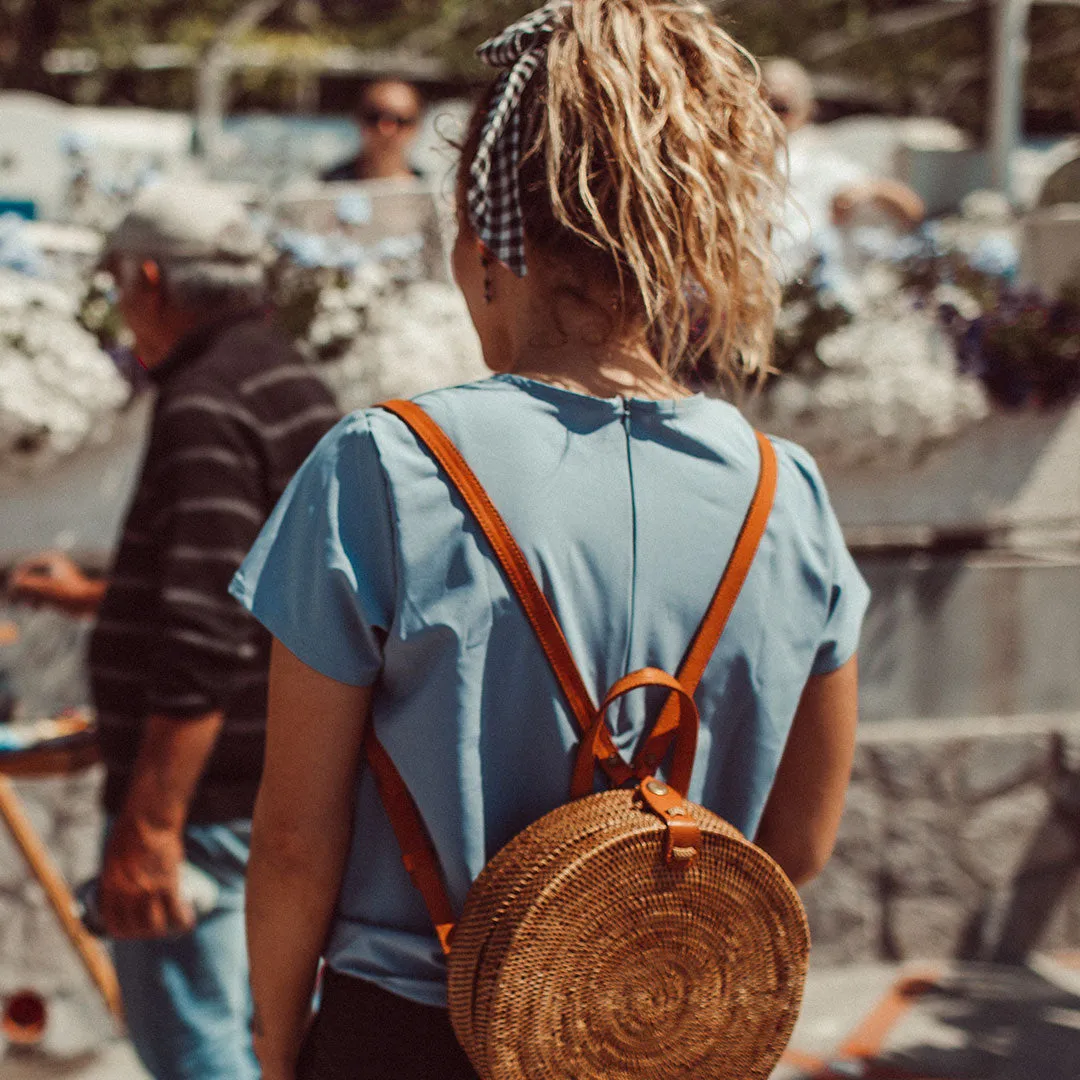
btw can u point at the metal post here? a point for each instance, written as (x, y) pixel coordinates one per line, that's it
(210, 100)
(212, 83)
(1007, 89)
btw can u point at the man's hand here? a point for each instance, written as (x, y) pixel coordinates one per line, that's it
(53, 579)
(890, 196)
(140, 881)
(847, 203)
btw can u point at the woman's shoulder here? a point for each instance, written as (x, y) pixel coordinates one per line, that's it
(734, 435)
(801, 506)
(800, 467)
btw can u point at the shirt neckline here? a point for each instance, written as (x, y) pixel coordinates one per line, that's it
(561, 395)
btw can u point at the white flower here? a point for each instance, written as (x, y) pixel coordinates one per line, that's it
(419, 337)
(332, 300)
(966, 306)
(59, 391)
(892, 388)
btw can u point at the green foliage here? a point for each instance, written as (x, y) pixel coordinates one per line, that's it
(808, 314)
(938, 68)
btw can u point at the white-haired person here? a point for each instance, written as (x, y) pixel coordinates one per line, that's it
(624, 154)
(826, 191)
(178, 670)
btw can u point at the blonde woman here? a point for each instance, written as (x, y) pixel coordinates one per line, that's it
(616, 194)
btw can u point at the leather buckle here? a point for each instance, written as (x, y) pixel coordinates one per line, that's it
(682, 837)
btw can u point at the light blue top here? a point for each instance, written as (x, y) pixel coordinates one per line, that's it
(372, 572)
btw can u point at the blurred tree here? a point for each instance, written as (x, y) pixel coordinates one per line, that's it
(27, 32)
(923, 56)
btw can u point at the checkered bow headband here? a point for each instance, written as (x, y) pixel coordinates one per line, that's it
(494, 196)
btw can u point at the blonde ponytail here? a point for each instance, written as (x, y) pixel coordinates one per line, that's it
(653, 154)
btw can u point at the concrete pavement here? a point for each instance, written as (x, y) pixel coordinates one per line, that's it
(940, 1022)
(865, 1022)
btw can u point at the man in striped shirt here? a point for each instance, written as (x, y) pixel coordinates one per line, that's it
(178, 668)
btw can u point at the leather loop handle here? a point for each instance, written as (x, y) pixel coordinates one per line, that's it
(690, 672)
(518, 574)
(688, 723)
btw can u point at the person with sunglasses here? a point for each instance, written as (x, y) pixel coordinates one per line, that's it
(388, 115)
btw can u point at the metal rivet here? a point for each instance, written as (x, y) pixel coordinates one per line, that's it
(657, 788)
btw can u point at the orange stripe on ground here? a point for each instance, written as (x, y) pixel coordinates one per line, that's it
(865, 1070)
(809, 1063)
(854, 1058)
(869, 1037)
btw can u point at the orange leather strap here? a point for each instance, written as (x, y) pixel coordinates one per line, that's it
(520, 577)
(655, 748)
(682, 839)
(417, 851)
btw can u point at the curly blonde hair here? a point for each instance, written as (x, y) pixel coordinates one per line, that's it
(653, 160)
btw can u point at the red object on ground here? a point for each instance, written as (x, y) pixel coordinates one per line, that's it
(25, 1018)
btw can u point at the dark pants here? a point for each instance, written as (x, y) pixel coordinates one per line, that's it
(362, 1032)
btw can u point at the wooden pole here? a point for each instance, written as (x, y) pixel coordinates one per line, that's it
(90, 951)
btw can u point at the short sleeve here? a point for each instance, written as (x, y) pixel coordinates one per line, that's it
(842, 173)
(322, 574)
(848, 594)
(830, 564)
(208, 511)
(848, 599)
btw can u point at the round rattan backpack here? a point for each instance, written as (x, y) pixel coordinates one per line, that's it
(629, 934)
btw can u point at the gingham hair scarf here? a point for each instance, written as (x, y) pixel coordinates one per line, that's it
(494, 195)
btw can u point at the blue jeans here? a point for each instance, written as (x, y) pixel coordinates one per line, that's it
(186, 998)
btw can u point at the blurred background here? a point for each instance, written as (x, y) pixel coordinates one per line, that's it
(928, 354)
(303, 61)
(896, 57)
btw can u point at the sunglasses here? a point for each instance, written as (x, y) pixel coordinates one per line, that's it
(374, 118)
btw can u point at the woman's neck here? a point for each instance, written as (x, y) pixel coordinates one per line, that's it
(557, 326)
(600, 372)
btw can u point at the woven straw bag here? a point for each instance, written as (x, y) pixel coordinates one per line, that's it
(629, 934)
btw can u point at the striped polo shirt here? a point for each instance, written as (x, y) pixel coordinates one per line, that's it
(237, 413)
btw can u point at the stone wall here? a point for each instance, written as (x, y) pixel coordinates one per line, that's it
(961, 838)
(957, 839)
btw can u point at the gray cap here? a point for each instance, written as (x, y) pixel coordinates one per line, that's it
(174, 220)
